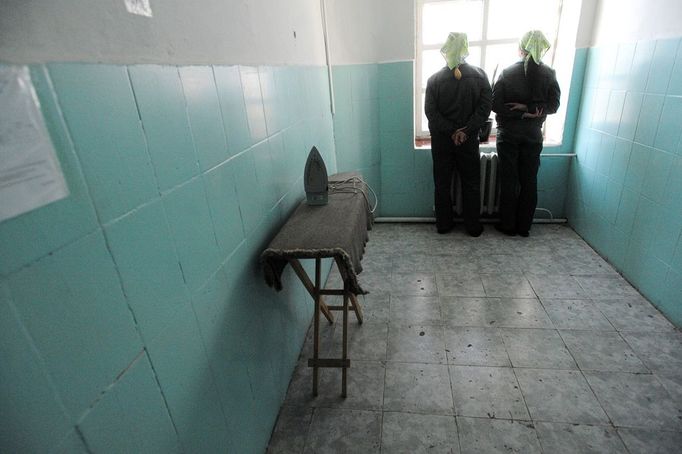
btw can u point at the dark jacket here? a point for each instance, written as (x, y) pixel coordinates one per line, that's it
(451, 104)
(513, 87)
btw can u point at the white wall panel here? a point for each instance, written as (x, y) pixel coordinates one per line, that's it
(254, 32)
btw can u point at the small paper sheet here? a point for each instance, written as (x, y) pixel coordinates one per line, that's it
(30, 176)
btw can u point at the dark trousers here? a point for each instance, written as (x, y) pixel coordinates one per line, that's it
(463, 159)
(519, 164)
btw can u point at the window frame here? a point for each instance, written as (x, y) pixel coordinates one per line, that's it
(421, 132)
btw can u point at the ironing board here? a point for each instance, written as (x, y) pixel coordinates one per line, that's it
(337, 230)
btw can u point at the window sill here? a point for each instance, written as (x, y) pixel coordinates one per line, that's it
(425, 144)
(491, 145)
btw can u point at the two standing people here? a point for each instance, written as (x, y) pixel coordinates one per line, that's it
(458, 102)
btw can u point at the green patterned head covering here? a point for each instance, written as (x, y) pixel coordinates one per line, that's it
(455, 49)
(535, 44)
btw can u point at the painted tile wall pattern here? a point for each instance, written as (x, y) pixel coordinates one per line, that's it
(356, 121)
(133, 314)
(625, 187)
(406, 174)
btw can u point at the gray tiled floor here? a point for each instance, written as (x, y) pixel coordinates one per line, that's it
(491, 344)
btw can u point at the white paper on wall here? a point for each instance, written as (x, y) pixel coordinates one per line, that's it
(139, 7)
(30, 176)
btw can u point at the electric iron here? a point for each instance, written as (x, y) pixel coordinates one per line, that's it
(315, 179)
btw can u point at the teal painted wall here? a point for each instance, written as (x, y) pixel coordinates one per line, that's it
(625, 186)
(133, 314)
(356, 121)
(371, 94)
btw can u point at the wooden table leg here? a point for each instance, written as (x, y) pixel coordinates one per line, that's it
(349, 302)
(354, 301)
(316, 324)
(344, 354)
(356, 308)
(310, 287)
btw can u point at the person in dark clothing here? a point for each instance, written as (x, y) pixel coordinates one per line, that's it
(525, 93)
(457, 104)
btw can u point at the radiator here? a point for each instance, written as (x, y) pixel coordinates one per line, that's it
(490, 186)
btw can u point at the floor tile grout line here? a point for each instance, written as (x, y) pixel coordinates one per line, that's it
(635, 352)
(383, 389)
(454, 407)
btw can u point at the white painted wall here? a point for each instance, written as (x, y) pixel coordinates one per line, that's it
(353, 28)
(618, 21)
(370, 31)
(248, 32)
(588, 11)
(397, 18)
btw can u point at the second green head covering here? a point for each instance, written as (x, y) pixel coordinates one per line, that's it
(455, 49)
(535, 44)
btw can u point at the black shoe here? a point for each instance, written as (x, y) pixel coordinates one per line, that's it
(445, 230)
(524, 234)
(509, 232)
(475, 232)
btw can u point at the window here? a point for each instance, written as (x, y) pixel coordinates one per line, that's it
(493, 28)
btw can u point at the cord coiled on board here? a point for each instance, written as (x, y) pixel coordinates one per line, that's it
(352, 185)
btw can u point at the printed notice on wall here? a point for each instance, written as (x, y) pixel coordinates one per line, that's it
(30, 176)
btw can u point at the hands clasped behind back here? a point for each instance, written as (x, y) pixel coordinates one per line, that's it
(459, 137)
